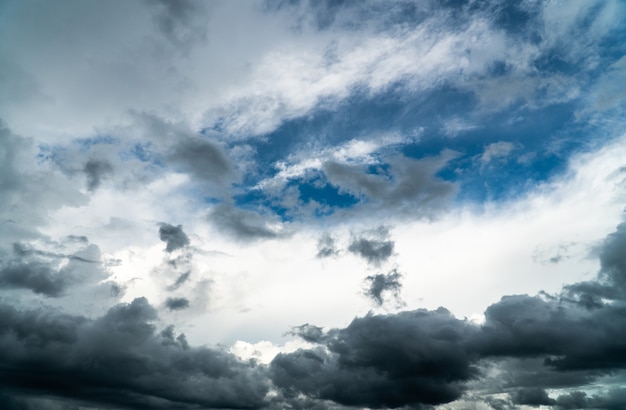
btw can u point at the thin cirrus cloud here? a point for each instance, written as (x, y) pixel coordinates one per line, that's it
(331, 205)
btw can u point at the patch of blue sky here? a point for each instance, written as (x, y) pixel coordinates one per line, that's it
(256, 199)
(85, 144)
(324, 193)
(311, 190)
(143, 153)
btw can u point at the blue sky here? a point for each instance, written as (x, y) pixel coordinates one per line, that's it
(259, 203)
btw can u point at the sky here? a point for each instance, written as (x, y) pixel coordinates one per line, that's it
(323, 204)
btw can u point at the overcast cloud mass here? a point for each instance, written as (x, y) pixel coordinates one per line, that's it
(312, 204)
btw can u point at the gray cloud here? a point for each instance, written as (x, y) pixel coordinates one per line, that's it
(49, 273)
(429, 357)
(326, 246)
(177, 303)
(409, 186)
(310, 333)
(119, 361)
(532, 397)
(180, 280)
(173, 236)
(36, 276)
(372, 246)
(382, 283)
(202, 159)
(242, 224)
(96, 170)
(410, 358)
(175, 19)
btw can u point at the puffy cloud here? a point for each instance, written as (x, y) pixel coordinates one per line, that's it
(372, 246)
(119, 360)
(410, 358)
(176, 303)
(174, 236)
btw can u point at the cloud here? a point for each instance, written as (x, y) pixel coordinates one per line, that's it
(96, 171)
(176, 303)
(430, 357)
(382, 283)
(202, 159)
(173, 236)
(532, 397)
(391, 361)
(49, 273)
(180, 280)
(326, 247)
(373, 247)
(242, 224)
(496, 150)
(409, 187)
(175, 19)
(35, 276)
(307, 332)
(119, 360)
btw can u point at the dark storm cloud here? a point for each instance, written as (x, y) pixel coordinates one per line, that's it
(36, 276)
(532, 397)
(202, 159)
(118, 360)
(242, 224)
(173, 236)
(382, 283)
(326, 246)
(176, 303)
(410, 358)
(614, 399)
(428, 357)
(96, 170)
(373, 246)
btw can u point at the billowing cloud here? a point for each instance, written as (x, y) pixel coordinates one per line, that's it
(119, 360)
(281, 132)
(410, 358)
(429, 357)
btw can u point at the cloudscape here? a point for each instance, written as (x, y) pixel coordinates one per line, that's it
(305, 204)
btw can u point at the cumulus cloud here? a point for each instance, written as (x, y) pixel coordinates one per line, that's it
(426, 357)
(119, 360)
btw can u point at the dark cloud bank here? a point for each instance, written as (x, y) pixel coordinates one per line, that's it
(411, 359)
